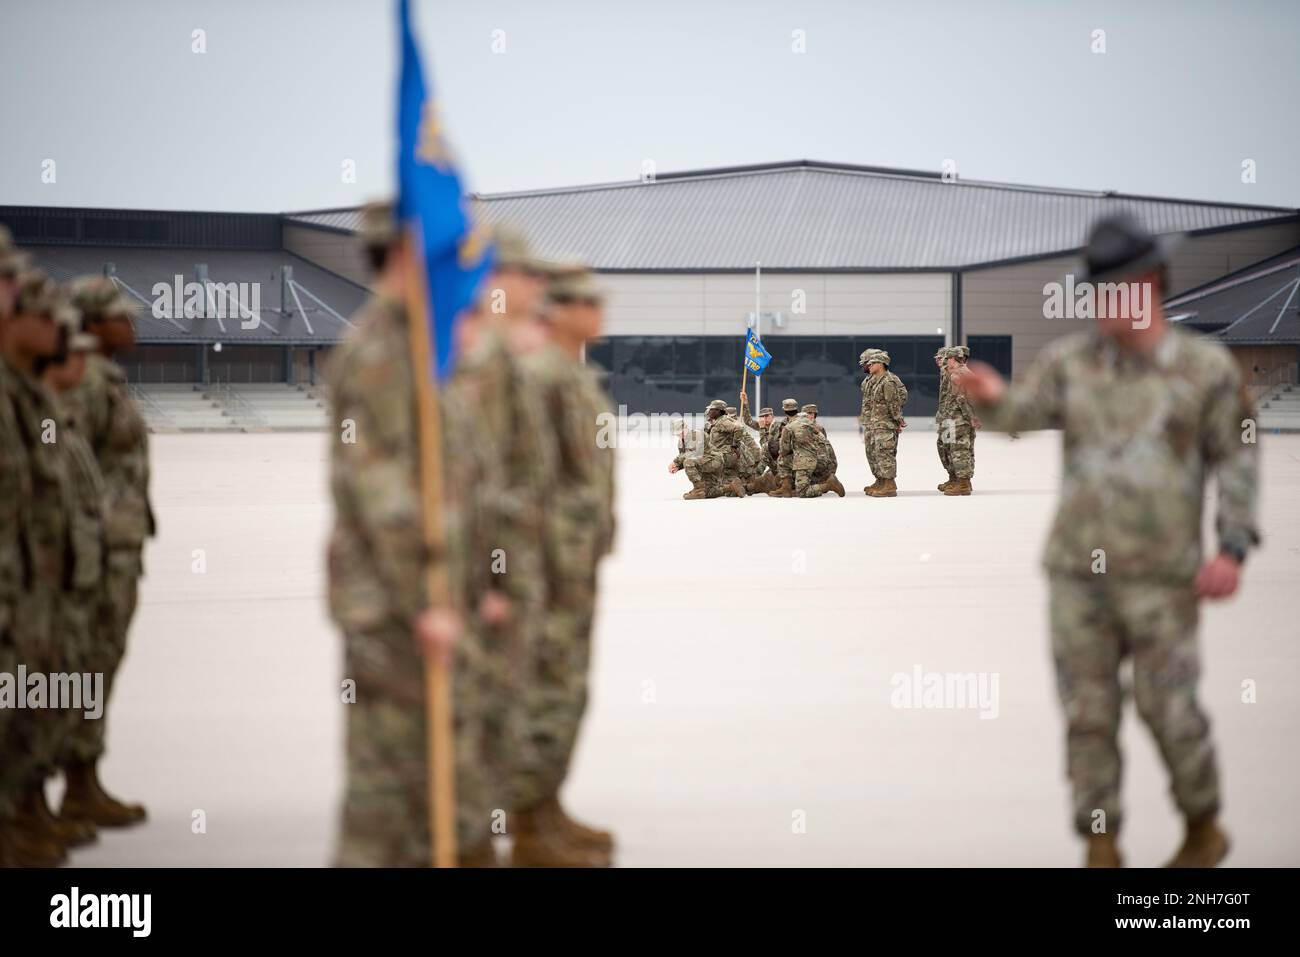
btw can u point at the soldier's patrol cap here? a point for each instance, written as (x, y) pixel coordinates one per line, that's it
(717, 404)
(12, 259)
(732, 410)
(36, 293)
(1119, 247)
(766, 410)
(959, 352)
(810, 408)
(789, 405)
(97, 297)
(943, 353)
(866, 356)
(378, 224)
(575, 285)
(881, 356)
(514, 251)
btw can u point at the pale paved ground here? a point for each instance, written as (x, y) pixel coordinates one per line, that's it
(742, 674)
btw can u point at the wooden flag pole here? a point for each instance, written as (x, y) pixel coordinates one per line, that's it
(439, 741)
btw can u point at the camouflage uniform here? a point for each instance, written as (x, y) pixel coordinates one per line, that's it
(1141, 436)
(883, 397)
(378, 566)
(770, 450)
(776, 440)
(580, 532)
(721, 462)
(107, 417)
(955, 422)
(812, 457)
(690, 446)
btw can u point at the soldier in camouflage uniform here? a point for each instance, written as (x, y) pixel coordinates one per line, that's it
(956, 424)
(782, 453)
(883, 397)
(690, 446)
(379, 564)
(1148, 412)
(765, 427)
(720, 463)
(107, 417)
(579, 511)
(35, 560)
(812, 457)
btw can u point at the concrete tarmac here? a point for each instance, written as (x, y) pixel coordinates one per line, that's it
(751, 659)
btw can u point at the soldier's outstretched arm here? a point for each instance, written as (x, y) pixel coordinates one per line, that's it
(1032, 403)
(744, 412)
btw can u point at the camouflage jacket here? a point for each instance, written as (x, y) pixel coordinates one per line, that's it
(953, 404)
(44, 527)
(378, 558)
(581, 501)
(85, 506)
(883, 398)
(777, 444)
(722, 441)
(15, 499)
(809, 445)
(750, 456)
(1141, 436)
(689, 447)
(108, 418)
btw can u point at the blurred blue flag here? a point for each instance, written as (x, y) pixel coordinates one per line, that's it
(756, 356)
(456, 254)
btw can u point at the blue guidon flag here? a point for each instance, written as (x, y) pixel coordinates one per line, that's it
(455, 251)
(756, 356)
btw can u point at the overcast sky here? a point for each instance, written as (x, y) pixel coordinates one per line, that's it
(289, 90)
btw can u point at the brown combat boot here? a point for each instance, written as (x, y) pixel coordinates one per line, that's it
(579, 833)
(943, 486)
(23, 849)
(785, 491)
(34, 815)
(959, 487)
(833, 483)
(87, 800)
(1103, 851)
(885, 488)
(695, 493)
(736, 488)
(867, 488)
(541, 841)
(1205, 845)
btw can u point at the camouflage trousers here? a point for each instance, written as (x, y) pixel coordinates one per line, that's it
(882, 452)
(32, 735)
(556, 695)
(104, 647)
(1095, 626)
(716, 471)
(957, 455)
(385, 814)
(811, 482)
(694, 474)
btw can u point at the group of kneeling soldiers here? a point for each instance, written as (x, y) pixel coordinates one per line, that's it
(74, 515)
(793, 458)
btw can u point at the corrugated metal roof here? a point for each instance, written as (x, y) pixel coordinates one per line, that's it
(141, 269)
(1259, 305)
(814, 216)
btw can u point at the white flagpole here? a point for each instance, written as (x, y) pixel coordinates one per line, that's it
(758, 334)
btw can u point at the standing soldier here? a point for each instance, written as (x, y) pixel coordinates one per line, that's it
(112, 425)
(379, 564)
(883, 396)
(812, 457)
(76, 615)
(779, 447)
(1148, 411)
(36, 558)
(690, 446)
(580, 532)
(956, 424)
(720, 463)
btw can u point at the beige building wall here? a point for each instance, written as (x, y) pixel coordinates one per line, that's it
(337, 252)
(813, 304)
(1008, 300)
